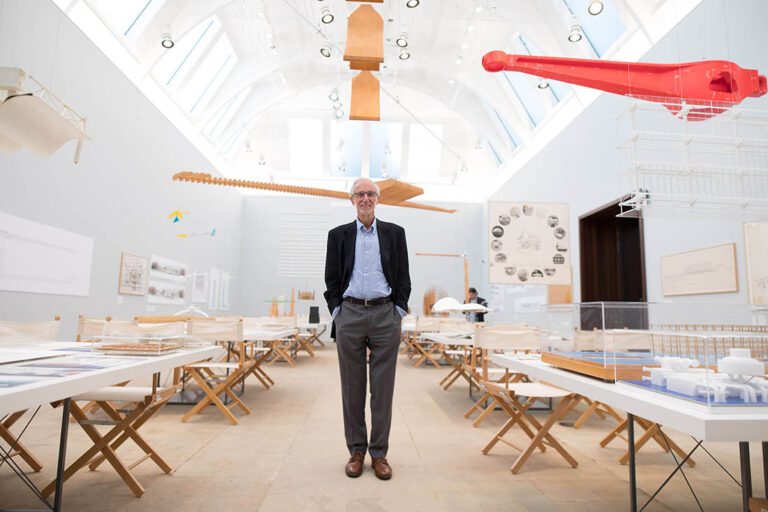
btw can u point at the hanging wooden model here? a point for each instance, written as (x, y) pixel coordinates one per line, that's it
(393, 192)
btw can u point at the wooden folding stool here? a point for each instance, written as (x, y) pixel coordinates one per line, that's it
(508, 397)
(651, 431)
(499, 338)
(425, 349)
(13, 333)
(593, 407)
(259, 355)
(204, 373)
(281, 349)
(146, 401)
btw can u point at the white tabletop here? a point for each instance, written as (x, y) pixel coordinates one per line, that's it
(58, 388)
(706, 423)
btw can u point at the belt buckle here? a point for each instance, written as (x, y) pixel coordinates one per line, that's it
(368, 302)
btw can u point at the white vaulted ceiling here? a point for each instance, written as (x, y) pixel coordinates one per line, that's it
(246, 82)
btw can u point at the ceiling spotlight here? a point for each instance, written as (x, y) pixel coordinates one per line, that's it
(576, 34)
(166, 41)
(338, 113)
(595, 7)
(334, 96)
(412, 3)
(336, 105)
(542, 84)
(325, 15)
(459, 59)
(402, 40)
(404, 54)
(325, 51)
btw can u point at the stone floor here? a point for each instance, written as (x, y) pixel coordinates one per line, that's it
(289, 454)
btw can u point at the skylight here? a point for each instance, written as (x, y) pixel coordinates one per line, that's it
(386, 151)
(305, 147)
(179, 61)
(219, 121)
(424, 152)
(527, 95)
(208, 76)
(345, 148)
(601, 31)
(556, 89)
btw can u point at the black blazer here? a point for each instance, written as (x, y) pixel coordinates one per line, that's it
(340, 260)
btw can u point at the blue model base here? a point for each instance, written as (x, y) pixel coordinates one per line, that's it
(700, 400)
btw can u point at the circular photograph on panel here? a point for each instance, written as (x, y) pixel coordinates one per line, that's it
(552, 221)
(537, 273)
(510, 270)
(527, 209)
(504, 220)
(558, 259)
(497, 231)
(501, 258)
(496, 245)
(550, 271)
(522, 275)
(559, 233)
(514, 212)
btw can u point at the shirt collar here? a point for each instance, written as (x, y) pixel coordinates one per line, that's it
(361, 226)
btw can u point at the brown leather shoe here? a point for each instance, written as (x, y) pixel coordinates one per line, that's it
(354, 467)
(381, 468)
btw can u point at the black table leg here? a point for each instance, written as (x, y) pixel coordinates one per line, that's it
(746, 475)
(62, 455)
(765, 468)
(632, 475)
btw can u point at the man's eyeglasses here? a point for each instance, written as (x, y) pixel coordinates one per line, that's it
(369, 195)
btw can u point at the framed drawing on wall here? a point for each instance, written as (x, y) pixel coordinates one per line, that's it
(756, 252)
(134, 273)
(700, 271)
(528, 243)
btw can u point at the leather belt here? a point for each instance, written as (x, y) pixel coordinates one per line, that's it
(369, 302)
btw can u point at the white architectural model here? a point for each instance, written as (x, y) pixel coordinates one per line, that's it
(738, 376)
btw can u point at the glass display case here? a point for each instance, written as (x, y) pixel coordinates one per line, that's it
(709, 353)
(141, 339)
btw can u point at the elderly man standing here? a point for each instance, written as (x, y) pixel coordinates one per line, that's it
(368, 285)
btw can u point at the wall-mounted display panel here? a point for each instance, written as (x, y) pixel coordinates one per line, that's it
(38, 258)
(756, 254)
(134, 273)
(528, 243)
(700, 271)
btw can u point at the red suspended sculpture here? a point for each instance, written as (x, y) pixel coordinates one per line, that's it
(701, 89)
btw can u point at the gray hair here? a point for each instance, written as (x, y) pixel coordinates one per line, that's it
(358, 180)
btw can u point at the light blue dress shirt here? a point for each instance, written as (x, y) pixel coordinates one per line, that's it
(367, 280)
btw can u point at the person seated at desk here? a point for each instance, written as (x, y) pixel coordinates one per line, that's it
(474, 299)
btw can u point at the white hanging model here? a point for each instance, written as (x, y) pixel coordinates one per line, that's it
(37, 120)
(738, 376)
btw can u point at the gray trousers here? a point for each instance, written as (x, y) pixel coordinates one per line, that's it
(357, 328)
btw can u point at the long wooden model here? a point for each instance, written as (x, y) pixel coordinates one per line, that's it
(393, 192)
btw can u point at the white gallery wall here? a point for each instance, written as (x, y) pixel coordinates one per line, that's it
(121, 192)
(581, 165)
(298, 226)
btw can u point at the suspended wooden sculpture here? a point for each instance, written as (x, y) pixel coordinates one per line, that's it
(365, 51)
(710, 86)
(393, 192)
